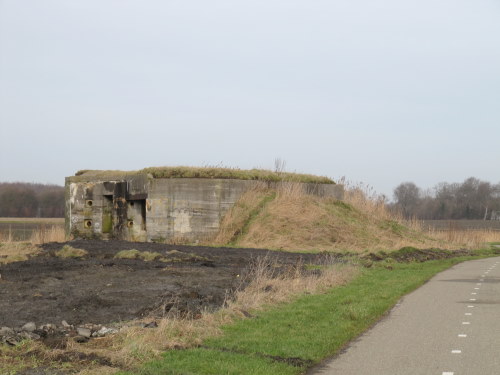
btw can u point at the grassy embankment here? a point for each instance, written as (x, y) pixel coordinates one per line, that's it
(287, 219)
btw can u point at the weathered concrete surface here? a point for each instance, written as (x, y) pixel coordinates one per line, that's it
(190, 208)
(141, 208)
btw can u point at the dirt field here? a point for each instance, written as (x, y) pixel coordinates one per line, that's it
(100, 289)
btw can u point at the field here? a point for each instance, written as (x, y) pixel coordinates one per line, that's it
(458, 225)
(64, 287)
(22, 229)
(110, 282)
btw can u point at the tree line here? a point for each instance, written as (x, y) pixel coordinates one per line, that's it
(471, 199)
(20, 199)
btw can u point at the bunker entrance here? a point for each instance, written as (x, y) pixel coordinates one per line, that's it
(136, 220)
(107, 214)
(136, 210)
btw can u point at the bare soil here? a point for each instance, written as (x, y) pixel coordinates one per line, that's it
(100, 289)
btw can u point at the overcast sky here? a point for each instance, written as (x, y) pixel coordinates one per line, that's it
(379, 91)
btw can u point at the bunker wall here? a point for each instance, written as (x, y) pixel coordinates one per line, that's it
(141, 208)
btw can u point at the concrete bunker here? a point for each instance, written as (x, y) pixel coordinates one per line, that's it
(153, 205)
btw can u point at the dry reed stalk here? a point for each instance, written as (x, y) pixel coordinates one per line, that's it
(468, 238)
(369, 203)
(44, 234)
(270, 288)
(7, 238)
(290, 189)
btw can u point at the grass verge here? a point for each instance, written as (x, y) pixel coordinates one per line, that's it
(293, 337)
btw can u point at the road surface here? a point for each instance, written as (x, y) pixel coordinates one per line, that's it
(449, 326)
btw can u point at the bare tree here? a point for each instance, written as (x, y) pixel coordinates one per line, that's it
(407, 197)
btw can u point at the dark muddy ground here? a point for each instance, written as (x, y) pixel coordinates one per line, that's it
(101, 290)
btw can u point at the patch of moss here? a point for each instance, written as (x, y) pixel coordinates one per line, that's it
(146, 256)
(68, 251)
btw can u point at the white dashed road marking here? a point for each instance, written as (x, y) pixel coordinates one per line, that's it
(456, 351)
(462, 335)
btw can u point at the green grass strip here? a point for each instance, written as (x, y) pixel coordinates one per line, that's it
(269, 197)
(293, 337)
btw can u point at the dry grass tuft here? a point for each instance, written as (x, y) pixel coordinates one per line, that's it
(68, 251)
(44, 234)
(147, 256)
(17, 251)
(269, 287)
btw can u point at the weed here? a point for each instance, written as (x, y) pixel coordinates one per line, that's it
(68, 251)
(146, 256)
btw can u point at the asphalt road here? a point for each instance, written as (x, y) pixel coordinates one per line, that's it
(449, 326)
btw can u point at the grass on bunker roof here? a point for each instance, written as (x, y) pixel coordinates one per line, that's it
(214, 172)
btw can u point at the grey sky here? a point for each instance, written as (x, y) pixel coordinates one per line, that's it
(378, 91)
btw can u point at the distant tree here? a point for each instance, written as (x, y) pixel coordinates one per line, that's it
(407, 197)
(51, 204)
(20, 199)
(471, 199)
(18, 203)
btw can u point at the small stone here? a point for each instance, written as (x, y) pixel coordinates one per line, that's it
(4, 331)
(85, 332)
(65, 324)
(12, 340)
(29, 327)
(81, 339)
(48, 328)
(41, 332)
(152, 324)
(104, 331)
